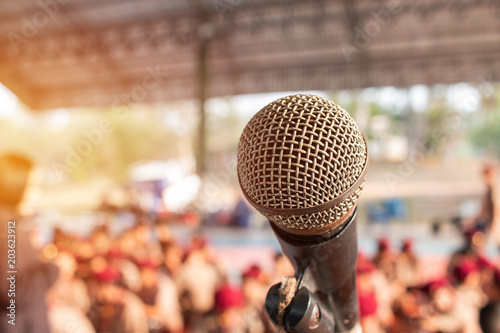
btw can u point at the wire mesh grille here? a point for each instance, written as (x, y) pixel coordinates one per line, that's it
(298, 152)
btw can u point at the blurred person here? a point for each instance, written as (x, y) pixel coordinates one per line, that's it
(164, 235)
(386, 293)
(197, 281)
(440, 314)
(68, 288)
(373, 280)
(129, 271)
(407, 265)
(173, 254)
(487, 271)
(84, 252)
(489, 318)
(282, 268)
(456, 309)
(493, 289)
(146, 243)
(385, 259)
(33, 277)
(68, 299)
(368, 305)
(115, 309)
(127, 244)
(254, 287)
(387, 287)
(95, 265)
(407, 311)
(471, 249)
(159, 294)
(101, 240)
(368, 317)
(486, 217)
(469, 295)
(229, 302)
(64, 318)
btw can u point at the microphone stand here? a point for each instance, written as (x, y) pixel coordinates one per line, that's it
(321, 297)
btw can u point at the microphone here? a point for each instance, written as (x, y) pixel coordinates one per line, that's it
(302, 162)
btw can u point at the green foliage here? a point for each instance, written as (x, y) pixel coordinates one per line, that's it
(484, 130)
(81, 149)
(160, 132)
(376, 110)
(485, 133)
(138, 135)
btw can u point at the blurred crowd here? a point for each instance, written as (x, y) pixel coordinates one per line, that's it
(464, 300)
(143, 280)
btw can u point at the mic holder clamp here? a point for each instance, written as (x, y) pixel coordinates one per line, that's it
(324, 299)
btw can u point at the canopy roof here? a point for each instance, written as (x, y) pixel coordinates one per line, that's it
(102, 52)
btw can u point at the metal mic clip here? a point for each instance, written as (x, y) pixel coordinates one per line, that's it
(306, 312)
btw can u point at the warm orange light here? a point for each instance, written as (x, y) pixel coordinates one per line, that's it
(50, 251)
(479, 239)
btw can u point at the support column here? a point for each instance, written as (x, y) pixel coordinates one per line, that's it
(410, 124)
(202, 95)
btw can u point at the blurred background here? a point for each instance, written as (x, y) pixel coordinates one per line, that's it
(131, 112)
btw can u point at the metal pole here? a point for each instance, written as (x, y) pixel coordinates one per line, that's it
(202, 91)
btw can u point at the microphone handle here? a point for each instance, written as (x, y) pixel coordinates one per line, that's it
(325, 270)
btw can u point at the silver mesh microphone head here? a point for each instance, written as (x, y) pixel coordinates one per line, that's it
(302, 163)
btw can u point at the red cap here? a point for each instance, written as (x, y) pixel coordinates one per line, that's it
(147, 263)
(108, 275)
(367, 304)
(485, 263)
(465, 267)
(114, 254)
(197, 243)
(364, 265)
(253, 271)
(383, 243)
(228, 297)
(433, 286)
(408, 245)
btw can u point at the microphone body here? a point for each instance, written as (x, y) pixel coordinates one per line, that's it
(302, 163)
(328, 267)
